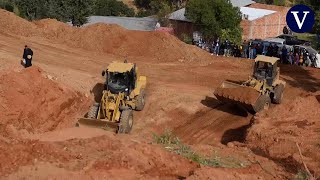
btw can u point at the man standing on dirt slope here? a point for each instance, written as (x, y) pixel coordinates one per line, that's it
(27, 57)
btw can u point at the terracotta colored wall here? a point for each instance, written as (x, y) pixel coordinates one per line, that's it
(267, 26)
(245, 24)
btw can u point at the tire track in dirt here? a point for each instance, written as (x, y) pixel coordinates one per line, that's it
(210, 125)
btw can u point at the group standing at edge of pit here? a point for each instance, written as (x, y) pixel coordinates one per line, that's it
(249, 50)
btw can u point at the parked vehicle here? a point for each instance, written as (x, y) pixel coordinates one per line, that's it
(276, 40)
(293, 40)
(279, 42)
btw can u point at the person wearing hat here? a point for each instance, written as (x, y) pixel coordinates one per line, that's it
(27, 57)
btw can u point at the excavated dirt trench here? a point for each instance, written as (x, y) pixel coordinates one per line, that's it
(223, 123)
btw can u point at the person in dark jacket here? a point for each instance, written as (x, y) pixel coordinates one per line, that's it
(284, 55)
(259, 48)
(291, 58)
(226, 48)
(275, 51)
(245, 48)
(285, 30)
(27, 57)
(217, 47)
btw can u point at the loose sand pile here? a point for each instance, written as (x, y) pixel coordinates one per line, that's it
(33, 103)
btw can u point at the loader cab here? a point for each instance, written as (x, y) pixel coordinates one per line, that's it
(265, 68)
(117, 82)
(120, 77)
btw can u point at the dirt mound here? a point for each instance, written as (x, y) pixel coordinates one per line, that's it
(115, 40)
(97, 156)
(52, 29)
(16, 25)
(275, 134)
(20, 153)
(107, 157)
(33, 103)
(105, 38)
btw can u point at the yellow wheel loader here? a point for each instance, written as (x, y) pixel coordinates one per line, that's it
(257, 93)
(124, 91)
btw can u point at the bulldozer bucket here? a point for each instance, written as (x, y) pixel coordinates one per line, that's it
(233, 93)
(97, 123)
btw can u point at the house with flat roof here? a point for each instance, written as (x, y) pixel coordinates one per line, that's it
(256, 20)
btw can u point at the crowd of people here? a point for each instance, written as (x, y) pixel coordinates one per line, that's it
(293, 55)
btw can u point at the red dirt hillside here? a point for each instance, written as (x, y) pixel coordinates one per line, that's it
(105, 38)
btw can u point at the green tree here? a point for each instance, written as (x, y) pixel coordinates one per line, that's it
(57, 9)
(31, 9)
(317, 24)
(142, 3)
(143, 13)
(157, 7)
(75, 11)
(216, 18)
(7, 5)
(279, 2)
(78, 11)
(112, 8)
(273, 2)
(161, 9)
(163, 13)
(146, 4)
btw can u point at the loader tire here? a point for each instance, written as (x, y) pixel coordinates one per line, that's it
(263, 103)
(93, 112)
(278, 94)
(140, 100)
(126, 121)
